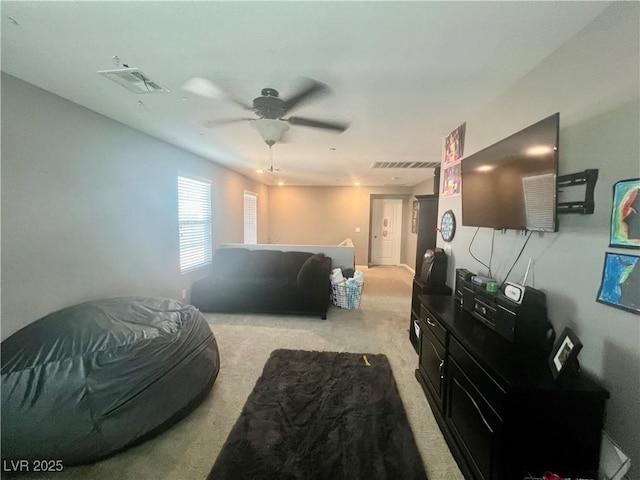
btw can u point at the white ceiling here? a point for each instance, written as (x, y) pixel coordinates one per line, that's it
(403, 74)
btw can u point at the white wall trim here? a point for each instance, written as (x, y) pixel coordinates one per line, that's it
(408, 268)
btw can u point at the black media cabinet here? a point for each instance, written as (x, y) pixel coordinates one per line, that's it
(502, 414)
(421, 288)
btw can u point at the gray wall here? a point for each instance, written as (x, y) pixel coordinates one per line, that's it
(593, 82)
(89, 207)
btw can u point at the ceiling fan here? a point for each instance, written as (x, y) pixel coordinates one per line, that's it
(271, 110)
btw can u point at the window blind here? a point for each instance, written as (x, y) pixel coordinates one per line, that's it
(250, 218)
(194, 223)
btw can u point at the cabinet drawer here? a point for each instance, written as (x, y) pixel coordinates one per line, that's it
(432, 366)
(493, 393)
(433, 325)
(474, 425)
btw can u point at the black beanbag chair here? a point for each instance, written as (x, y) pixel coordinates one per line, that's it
(89, 380)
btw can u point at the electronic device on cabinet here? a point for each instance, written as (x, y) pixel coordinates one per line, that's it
(434, 268)
(516, 312)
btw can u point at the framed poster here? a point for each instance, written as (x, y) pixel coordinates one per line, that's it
(620, 286)
(452, 181)
(414, 217)
(454, 146)
(453, 151)
(625, 214)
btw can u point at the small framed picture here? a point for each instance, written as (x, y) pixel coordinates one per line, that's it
(565, 353)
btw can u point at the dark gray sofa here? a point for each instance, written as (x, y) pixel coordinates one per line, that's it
(265, 281)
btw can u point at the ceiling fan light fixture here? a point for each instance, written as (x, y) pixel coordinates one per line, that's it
(271, 130)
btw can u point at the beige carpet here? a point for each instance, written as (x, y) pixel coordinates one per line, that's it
(188, 450)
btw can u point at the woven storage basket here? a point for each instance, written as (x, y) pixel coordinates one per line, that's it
(347, 294)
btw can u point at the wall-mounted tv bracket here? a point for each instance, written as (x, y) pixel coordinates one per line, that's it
(583, 204)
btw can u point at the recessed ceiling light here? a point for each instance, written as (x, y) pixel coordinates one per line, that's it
(396, 178)
(357, 184)
(280, 184)
(259, 170)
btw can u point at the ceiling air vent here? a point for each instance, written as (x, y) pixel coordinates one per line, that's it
(405, 164)
(134, 80)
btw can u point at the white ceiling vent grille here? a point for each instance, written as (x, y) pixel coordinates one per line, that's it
(134, 80)
(405, 164)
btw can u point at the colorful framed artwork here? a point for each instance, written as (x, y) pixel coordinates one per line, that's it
(620, 285)
(454, 145)
(625, 214)
(452, 181)
(453, 151)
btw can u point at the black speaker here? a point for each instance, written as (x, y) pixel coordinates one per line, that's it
(462, 276)
(521, 317)
(434, 268)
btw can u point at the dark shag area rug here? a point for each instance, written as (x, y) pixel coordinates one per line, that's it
(321, 415)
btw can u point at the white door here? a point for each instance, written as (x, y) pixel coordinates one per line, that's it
(386, 231)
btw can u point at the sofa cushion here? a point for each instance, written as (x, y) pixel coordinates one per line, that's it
(229, 261)
(311, 272)
(264, 263)
(291, 263)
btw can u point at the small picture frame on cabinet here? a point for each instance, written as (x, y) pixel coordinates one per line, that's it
(564, 356)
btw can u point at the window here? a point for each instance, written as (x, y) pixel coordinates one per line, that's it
(194, 223)
(250, 218)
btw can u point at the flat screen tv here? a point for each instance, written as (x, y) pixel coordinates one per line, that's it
(512, 183)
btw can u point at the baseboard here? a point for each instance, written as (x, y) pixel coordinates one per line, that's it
(362, 267)
(408, 268)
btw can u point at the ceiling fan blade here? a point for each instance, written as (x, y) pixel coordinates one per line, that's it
(206, 88)
(310, 89)
(225, 121)
(307, 122)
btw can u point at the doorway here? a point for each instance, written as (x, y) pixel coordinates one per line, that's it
(386, 231)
